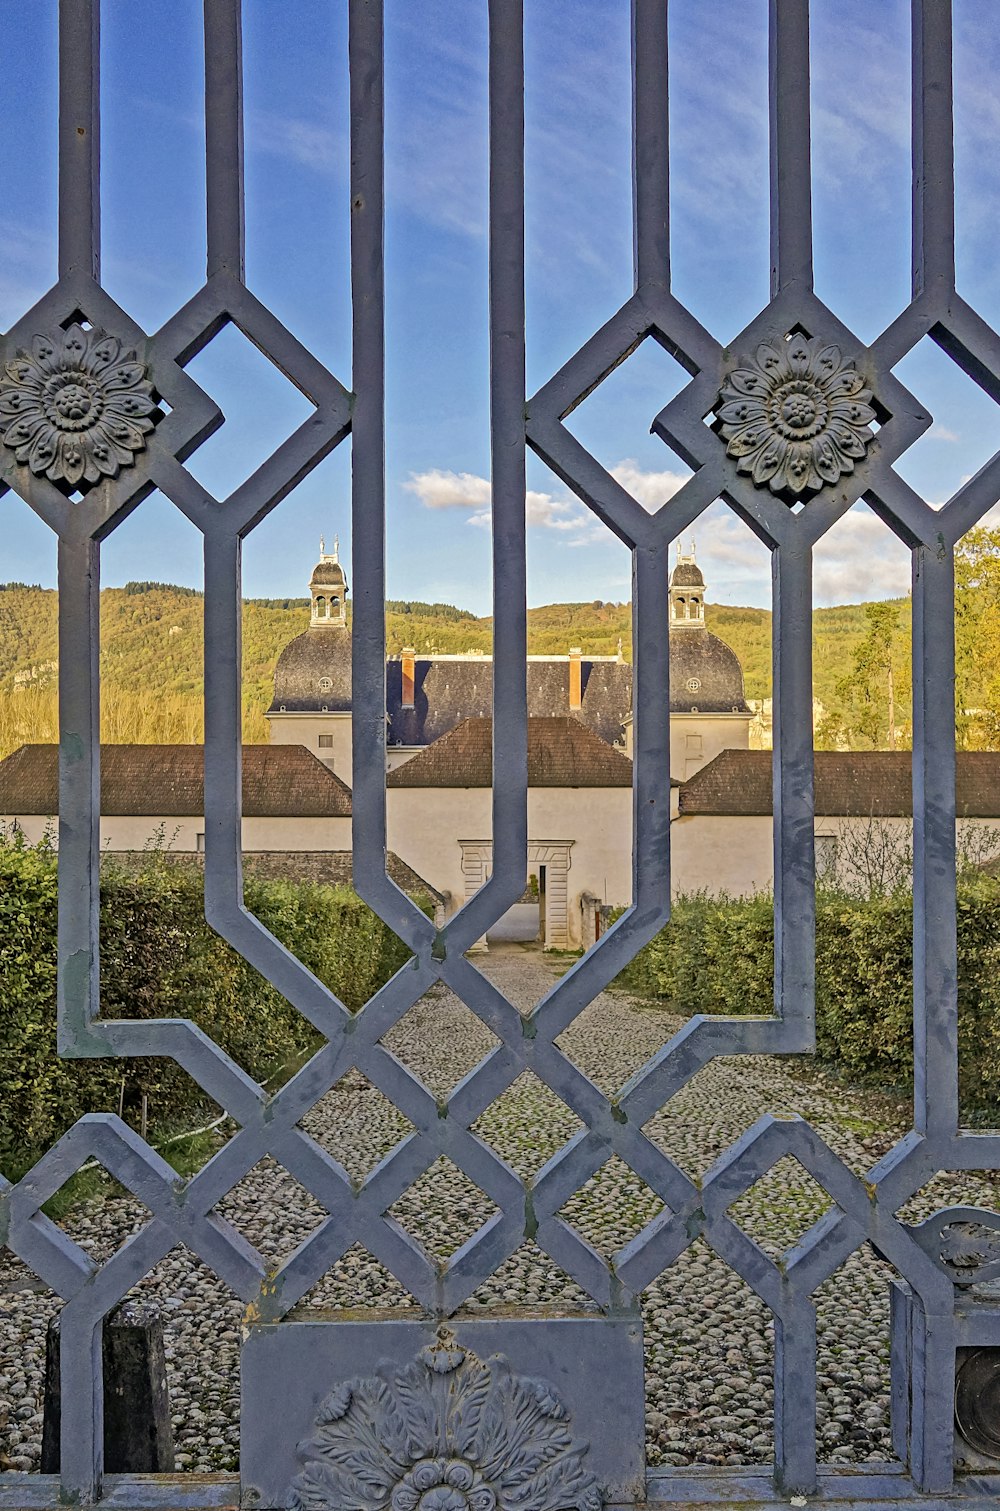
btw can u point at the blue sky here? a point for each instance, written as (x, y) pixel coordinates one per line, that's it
(579, 260)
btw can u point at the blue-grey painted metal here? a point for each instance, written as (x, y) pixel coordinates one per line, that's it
(789, 491)
(568, 1352)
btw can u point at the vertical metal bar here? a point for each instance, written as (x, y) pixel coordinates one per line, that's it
(650, 143)
(935, 960)
(651, 731)
(223, 721)
(507, 438)
(224, 136)
(791, 186)
(81, 1419)
(366, 48)
(932, 1427)
(80, 138)
(794, 809)
(933, 147)
(795, 1398)
(79, 790)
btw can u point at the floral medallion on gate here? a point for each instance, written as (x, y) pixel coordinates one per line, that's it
(445, 1433)
(77, 407)
(796, 416)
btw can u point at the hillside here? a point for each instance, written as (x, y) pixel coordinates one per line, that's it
(151, 652)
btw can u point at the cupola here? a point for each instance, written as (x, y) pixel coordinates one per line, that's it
(687, 592)
(328, 589)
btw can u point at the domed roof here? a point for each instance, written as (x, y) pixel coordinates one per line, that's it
(705, 676)
(313, 674)
(327, 573)
(686, 574)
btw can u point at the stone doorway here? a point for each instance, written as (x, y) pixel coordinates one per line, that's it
(549, 860)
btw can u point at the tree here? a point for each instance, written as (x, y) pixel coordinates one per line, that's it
(869, 692)
(977, 640)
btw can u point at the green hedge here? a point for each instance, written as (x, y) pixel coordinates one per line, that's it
(717, 956)
(160, 959)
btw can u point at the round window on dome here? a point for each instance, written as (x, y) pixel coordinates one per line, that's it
(325, 684)
(693, 684)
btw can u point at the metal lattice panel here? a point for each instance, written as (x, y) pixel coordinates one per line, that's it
(775, 446)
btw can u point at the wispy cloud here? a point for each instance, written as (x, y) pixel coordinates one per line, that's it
(299, 140)
(440, 488)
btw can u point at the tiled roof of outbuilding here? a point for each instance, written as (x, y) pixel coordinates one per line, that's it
(849, 784)
(149, 781)
(561, 753)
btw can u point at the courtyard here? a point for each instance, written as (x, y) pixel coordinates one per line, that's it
(708, 1338)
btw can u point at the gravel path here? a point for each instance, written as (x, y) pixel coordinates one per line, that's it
(708, 1338)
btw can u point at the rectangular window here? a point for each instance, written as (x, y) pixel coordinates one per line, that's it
(199, 843)
(826, 857)
(693, 745)
(326, 742)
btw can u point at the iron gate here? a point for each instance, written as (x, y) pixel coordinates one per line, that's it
(801, 413)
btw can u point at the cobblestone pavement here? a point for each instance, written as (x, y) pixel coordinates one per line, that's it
(708, 1338)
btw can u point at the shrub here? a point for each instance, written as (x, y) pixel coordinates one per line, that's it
(160, 959)
(716, 955)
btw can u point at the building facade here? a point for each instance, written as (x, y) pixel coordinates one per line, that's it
(429, 695)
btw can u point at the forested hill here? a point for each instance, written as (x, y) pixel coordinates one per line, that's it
(151, 651)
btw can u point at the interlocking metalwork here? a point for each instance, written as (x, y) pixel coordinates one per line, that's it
(84, 440)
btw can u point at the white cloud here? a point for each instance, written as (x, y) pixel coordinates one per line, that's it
(439, 488)
(650, 488)
(942, 433)
(860, 559)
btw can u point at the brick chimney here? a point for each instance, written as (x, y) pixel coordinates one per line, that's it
(575, 679)
(408, 658)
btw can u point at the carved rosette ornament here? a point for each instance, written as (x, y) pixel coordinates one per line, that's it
(445, 1433)
(795, 416)
(76, 408)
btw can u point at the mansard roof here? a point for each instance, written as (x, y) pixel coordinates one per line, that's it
(447, 690)
(561, 753)
(313, 675)
(849, 784)
(168, 781)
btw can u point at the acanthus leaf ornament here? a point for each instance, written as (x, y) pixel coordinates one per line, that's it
(796, 416)
(964, 1242)
(77, 407)
(444, 1433)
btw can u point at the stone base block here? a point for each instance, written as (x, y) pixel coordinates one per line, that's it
(380, 1409)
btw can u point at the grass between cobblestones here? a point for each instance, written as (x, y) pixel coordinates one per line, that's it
(708, 1339)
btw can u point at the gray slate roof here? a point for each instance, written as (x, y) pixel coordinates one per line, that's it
(849, 784)
(687, 575)
(149, 781)
(323, 651)
(561, 753)
(447, 691)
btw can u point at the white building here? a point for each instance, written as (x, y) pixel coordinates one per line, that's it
(156, 793)
(579, 822)
(722, 838)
